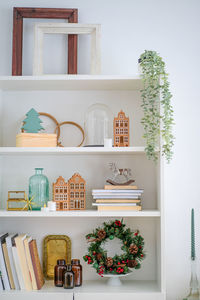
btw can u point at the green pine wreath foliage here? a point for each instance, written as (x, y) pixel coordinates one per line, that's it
(132, 246)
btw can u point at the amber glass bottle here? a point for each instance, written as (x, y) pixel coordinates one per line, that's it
(68, 278)
(58, 272)
(77, 269)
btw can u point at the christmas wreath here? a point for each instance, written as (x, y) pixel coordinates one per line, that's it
(132, 245)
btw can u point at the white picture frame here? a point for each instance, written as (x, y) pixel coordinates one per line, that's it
(67, 28)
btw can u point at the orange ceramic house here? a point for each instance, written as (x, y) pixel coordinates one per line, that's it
(121, 130)
(69, 195)
(76, 192)
(60, 194)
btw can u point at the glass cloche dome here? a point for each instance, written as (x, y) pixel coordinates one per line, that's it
(98, 125)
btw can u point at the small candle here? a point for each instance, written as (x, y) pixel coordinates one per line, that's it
(108, 143)
(44, 208)
(192, 236)
(52, 205)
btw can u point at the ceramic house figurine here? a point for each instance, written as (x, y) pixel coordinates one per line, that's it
(121, 130)
(60, 194)
(77, 192)
(69, 195)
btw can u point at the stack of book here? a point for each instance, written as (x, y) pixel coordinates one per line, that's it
(118, 197)
(20, 266)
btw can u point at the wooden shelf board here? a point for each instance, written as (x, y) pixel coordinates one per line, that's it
(80, 213)
(137, 286)
(71, 82)
(98, 286)
(70, 150)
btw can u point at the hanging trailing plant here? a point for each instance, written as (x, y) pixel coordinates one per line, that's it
(156, 98)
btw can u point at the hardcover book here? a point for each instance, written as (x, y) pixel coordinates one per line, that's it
(9, 240)
(110, 208)
(113, 201)
(17, 265)
(121, 191)
(3, 264)
(1, 283)
(29, 262)
(123, 196)
(19, 240)
(36, 264)
(7, 262)
(120, 187)
(115, 204)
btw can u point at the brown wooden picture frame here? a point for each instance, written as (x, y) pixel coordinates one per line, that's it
(46, 13)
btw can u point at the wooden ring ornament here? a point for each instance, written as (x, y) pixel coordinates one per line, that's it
(70, 123)
(54, 120)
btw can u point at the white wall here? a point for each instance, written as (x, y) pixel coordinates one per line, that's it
(128, 27)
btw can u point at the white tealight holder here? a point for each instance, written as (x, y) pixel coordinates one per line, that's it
(108, 143)
(51, 205)
(44, 209)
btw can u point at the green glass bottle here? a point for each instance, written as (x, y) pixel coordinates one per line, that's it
(38, 189)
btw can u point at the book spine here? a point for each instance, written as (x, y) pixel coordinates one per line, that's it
(119, 208)
(23, 262)
(115, 204)
(4, 270)
(116, 197)
(120, 187)
(30, 265)
(8, 267)
(117, 192)
(18, 268)
(12, 265)
(117, 201)
(1, 283)
(36, 264)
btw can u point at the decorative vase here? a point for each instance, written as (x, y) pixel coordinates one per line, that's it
(38, 189)
(194, 284)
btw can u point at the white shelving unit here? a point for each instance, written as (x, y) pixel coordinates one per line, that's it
(60, 96)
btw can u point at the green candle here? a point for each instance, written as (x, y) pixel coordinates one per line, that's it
(192, 236)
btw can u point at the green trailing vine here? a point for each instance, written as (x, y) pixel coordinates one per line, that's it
(132, 246)
(156, 97)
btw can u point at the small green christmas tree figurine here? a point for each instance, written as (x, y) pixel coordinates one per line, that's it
(32, 122)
